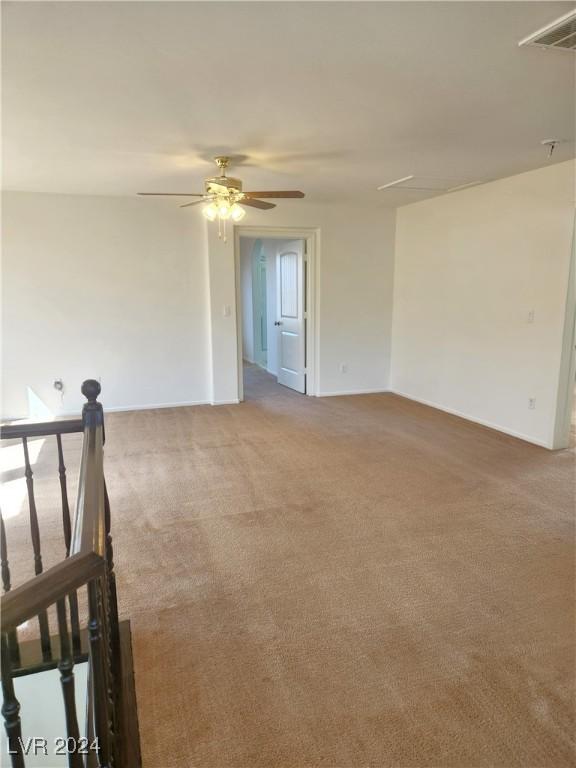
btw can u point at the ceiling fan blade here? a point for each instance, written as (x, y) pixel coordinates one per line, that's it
(194, 202)
(257, 203)
(281, 193)
(173, 194)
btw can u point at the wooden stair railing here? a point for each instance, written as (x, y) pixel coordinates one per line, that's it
(88, 564)
(24, 432)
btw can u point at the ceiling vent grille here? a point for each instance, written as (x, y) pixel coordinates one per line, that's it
(560, 34)
(427, 184)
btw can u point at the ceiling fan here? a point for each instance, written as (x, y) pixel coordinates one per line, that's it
(224, 198)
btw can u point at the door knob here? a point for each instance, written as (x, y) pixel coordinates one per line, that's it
(277, 322)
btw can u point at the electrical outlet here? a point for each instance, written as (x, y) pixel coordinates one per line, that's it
(343, 367)
(531, 316)
(531, 403)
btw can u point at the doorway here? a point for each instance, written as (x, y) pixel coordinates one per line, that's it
(275, 310)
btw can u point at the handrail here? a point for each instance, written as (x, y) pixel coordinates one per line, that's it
(42, 591)
(88, 530)
(40, 429)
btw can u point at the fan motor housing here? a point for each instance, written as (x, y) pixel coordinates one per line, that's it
(216, 185)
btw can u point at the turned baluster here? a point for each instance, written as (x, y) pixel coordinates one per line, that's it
(34, 528)
(35, 532)
(11, 708)
(64, 493)
(6, 586)
(66, 667)
(4, 557)
(66, 525)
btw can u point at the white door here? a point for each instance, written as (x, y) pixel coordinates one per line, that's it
(290, 307)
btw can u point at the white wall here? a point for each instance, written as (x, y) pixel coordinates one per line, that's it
(137, 292)
(470, 266)
(109, 287)
(246, 249)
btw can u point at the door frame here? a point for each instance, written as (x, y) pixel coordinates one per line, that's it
(311, 236)
(566, 383)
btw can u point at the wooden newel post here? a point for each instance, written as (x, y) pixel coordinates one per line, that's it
(103, 627)
(99, 675)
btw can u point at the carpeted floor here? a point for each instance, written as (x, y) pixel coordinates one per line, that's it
(341, 582)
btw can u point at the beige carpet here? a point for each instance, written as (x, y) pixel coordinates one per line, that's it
(341, 582)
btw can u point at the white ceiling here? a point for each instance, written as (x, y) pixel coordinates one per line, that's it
(334, 98)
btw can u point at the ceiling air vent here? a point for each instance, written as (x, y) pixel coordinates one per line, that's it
(560, 34)
(427, 184)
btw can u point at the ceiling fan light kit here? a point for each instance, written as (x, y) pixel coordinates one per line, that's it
(224, 198)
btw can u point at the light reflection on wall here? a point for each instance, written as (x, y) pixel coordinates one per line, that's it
(13, 488)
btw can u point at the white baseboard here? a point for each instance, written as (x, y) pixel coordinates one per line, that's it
(151, 406)
(146, 407)
(342, 392)
(473, 419)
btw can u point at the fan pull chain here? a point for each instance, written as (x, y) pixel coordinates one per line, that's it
(222, 230)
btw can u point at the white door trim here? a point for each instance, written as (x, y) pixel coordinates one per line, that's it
(311, 236)
(565, 394)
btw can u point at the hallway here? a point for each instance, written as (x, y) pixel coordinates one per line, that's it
(259, 384)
